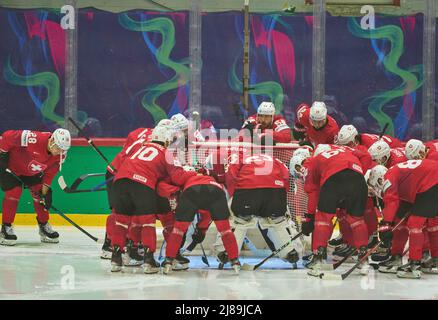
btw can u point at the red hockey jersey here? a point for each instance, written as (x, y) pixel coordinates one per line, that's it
(28, 154)
(432, 154)
(148, 164)
(279, 132)
(138, 136)
(404, 181)
(256, 172)
(316, 171)
(396, 156)
(367, 139)
(324, 135)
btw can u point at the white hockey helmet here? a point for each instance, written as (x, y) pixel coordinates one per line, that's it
(161, 134)
(295, 161)
(377, 175)
(62, 139)
(346, 135)
(180, 121)
(266, 108)
(379, 150)
(166, 123)
(413, 148)
(318, 111)
(303, 151)
(321, 148)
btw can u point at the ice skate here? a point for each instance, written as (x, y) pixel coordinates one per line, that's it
(150, 264)
(235, 264)
(181, 263)
(134, 258)
(168, 265)
(336, 242)
(430, 266)
(7, 235)
(316, 265)
(391, 265)
(411, 270)
(116, 259)
(107, 250)
(47, 234)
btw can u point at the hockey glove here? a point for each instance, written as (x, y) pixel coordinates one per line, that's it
(4, 160)
(46, 200)
(385, 233)
(308, 224)
(298, 133)
(198, 235)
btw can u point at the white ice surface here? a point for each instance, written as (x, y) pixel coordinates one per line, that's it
(33, 270)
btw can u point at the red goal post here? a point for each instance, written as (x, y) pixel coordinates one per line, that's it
(296, 197)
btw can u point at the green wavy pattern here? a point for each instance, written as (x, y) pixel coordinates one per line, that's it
(48, 80)
(271, 89)
(165, 27)
(410, 81)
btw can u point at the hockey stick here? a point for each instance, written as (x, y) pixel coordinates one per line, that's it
(90, 142)
(73, 189)
(383, 130)
(249, 267)
(55, 209)
(332, 276)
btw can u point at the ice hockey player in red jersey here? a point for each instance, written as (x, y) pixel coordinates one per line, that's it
(415, 182)
(135, 138)
(332, 175)
(201, 192)
(258, 184)
(417, 150)
(35, 157)
(266, 127)
(348, 136)
(314, 125)
(135, 196)
(382, 153)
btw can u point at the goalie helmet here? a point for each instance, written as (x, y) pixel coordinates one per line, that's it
(376, 178)
(321, 148)
(180, 122)
(295, 161)
(318, 111)
(303, 151)
(266, 108)
(413, 148)
(346, 135)
(62, 139)
(161, 134)
(379, 150)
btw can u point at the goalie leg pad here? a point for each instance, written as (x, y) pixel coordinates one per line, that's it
(240, 227)
(280, 232)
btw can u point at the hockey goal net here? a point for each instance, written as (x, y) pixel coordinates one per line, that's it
(296, 197)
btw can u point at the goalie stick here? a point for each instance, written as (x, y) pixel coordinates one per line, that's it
(249, 267)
